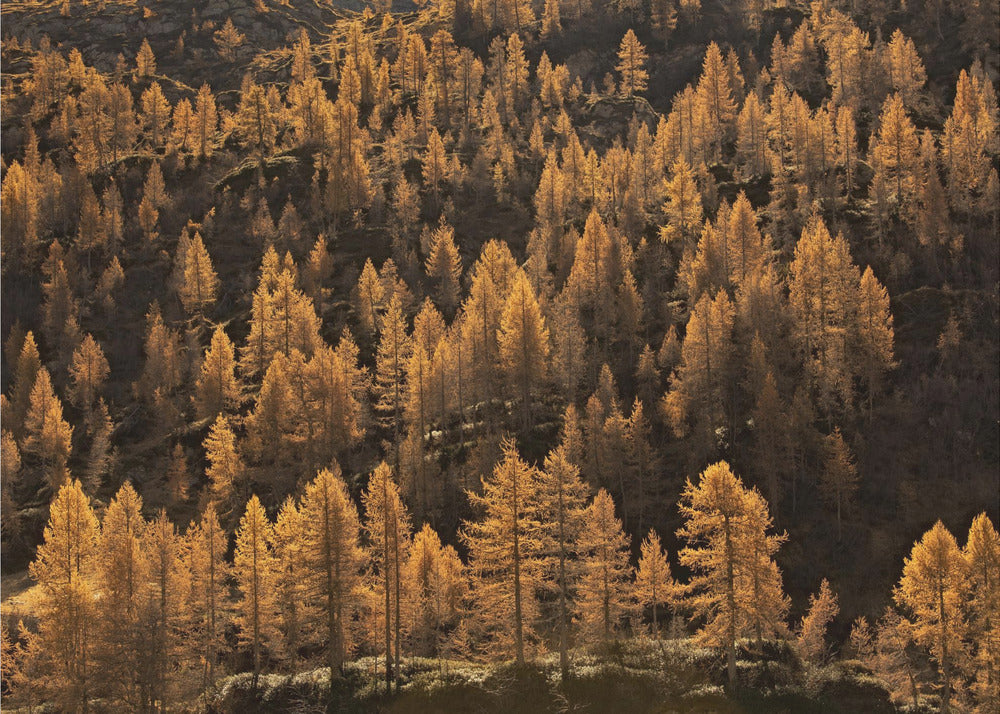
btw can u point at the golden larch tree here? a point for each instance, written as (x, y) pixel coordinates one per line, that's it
(255, 568)
(387, 526)
(64, 568)
(218, 388)
(333, 561)
(504, 549)
(726, 528)
(604, 583)
(932, 591)
(654, 585)
(632, 58)
(523, 340)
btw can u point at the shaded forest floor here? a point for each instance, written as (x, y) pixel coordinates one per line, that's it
(638, 676)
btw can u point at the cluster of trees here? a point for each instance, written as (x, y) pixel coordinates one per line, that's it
(131, 610)
(410, 241)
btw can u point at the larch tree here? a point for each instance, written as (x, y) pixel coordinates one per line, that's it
(64, 568)
(811, 640)
(293, 606)
(393, 350)
(982, 553)
(654, 585)
(563, 495)
(167, 594)
(123, 581)
(218, 388)
(605, 581)
(932, 591)
(145, 61)
(26, 364)
(523, 340)
(683, 208)
(435, 587)
(48, 437)
(205, 550)
(875, 334)
(200, 281)
(444, 265)
(504, 548)
(367, 297)
(88, 371)
(632, 58)
(387, 526)
(823, 299)
(896, 152)
(255, 568)
(226, 472)
(206, 122)
(839, 478)
(726, 528)
(333, 561)
(700, 393)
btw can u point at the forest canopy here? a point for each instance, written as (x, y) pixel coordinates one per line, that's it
(397, 351)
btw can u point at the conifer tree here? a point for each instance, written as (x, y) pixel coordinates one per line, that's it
(726, 527)
(839, 479)
(823, 608)
(168, 592)
(226, 472)
(64, 568)
(387, 526)
(604, 584)
(435, 586)
(683, 207)
(982, 554)
(88, 371)
(145, 60)
(124, 579)
(200, 282)
(503, 552)
(895, 149)
(218, 388)
(875, 334)
(563, 496)
(822, 295)
(654, 585)
(48, 437)
(445, 266)
(523, 340)
(367, 295)
(333, 561)
(932, 591)
(206, 551)
(254, 568)
(700, 394)
(206, 121)
(631, 65)
(290, 592)
(393, 350)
